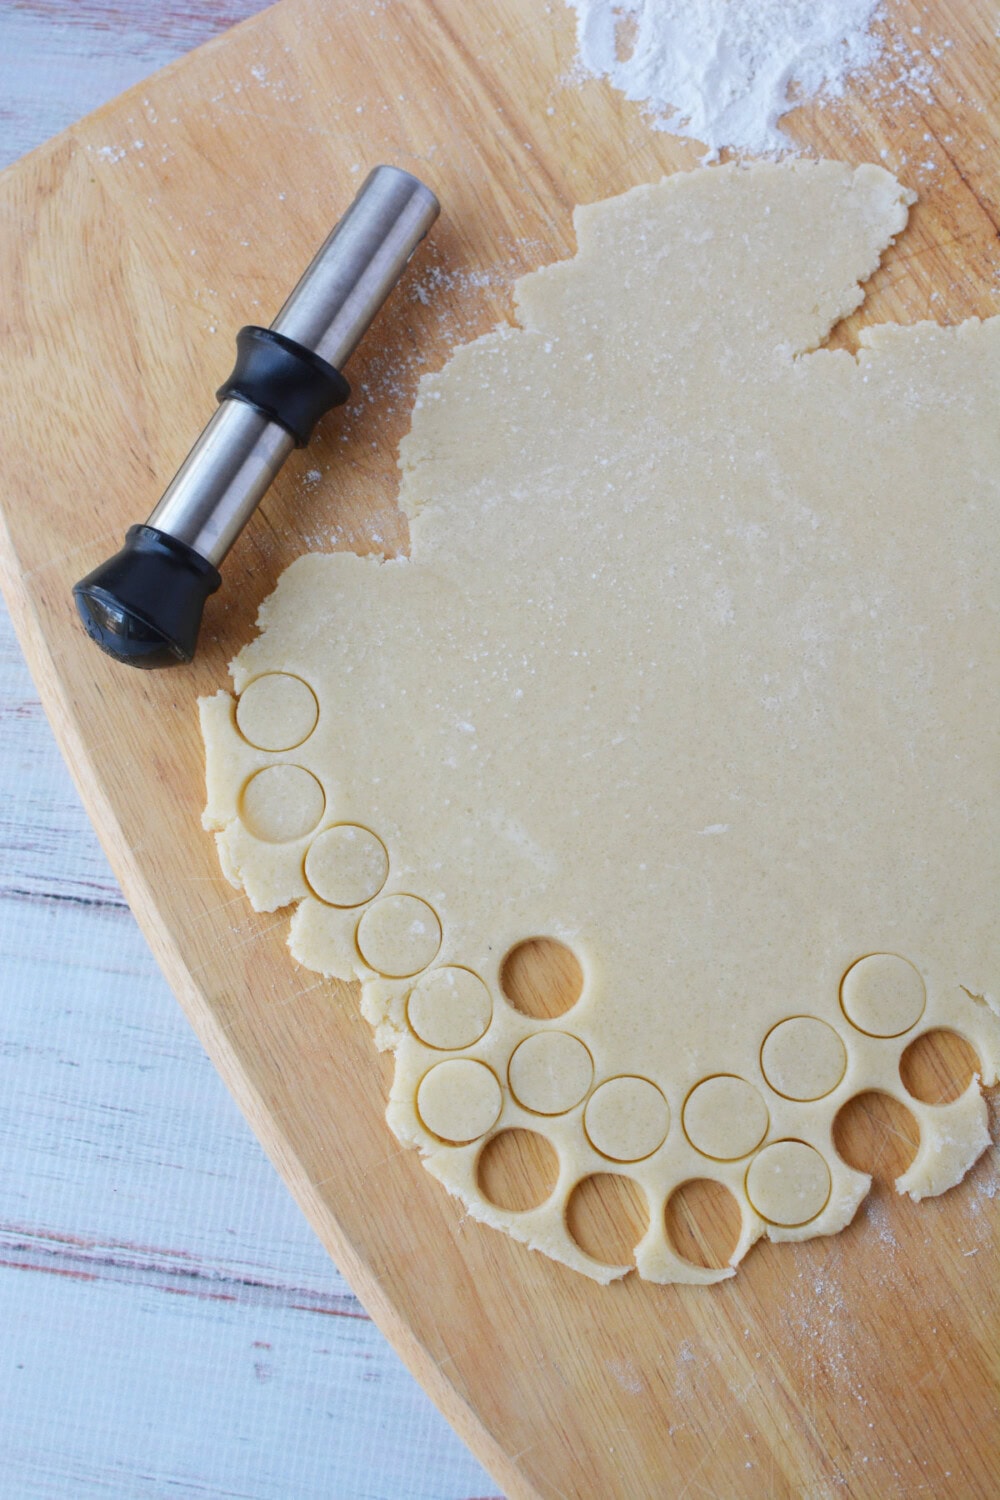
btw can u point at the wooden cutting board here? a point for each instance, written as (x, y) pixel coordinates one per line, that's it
(132, 248)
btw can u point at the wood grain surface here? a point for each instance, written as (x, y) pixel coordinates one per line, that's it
(864, 1364)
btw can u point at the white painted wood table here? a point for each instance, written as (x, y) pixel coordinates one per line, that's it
(168, 1324)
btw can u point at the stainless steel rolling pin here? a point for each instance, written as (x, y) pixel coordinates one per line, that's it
(144, 605)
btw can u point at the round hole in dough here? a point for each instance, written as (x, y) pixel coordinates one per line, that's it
(517, 1170)
(282, 803)
(703, 1220)
(399, 935)
(883, 995)
(803, 1058)
(346, 865)
(627, 1118)
(938, 1066)
(541, 977)
(607, 1214)
(550, 1072)
(788, 1183)
(459, 1100)
(725, 1117)
(876, 1134)
(449, 1008)
(277, 711)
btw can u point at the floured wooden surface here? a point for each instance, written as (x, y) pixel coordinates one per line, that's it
(669, 1387)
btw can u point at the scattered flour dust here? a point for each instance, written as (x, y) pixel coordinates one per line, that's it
(725, 71)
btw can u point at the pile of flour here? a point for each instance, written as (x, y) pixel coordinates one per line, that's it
(725, 71)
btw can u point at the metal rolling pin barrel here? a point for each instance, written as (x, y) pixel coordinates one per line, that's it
(144, 605)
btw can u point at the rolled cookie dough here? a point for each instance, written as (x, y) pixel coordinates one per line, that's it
(694, 668)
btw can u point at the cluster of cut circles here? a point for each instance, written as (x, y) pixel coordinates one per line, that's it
(550, 1072)
(346, 865)
(803, 1059)
(626, 1118)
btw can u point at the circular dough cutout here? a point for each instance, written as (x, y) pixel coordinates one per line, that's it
(725, 1117)
(459, 1100)
(277, 712)
(883, 995)
(627, 1118)
(803, 1058)
(788, 1183)
(346, 865)
(282, 803)
(550, 1072)
(399, 935)
(450, 1008)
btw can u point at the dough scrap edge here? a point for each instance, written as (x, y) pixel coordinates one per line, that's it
(881, 206)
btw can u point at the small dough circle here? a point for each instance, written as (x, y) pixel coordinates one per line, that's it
(282, 803)
(788, 1183)
(399, 935)
(725, 1117)
(803, 1058)
(550, 1072)
(277, 711)
(450, 1008)
(883, 995)
(627, 1118)
(346, 865)
(459, 1099)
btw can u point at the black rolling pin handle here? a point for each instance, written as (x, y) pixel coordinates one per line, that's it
(143, 606)
(284, 381)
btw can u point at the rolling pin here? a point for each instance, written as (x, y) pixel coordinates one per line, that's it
(143, 606)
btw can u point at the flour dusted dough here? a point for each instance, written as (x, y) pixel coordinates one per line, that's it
(694, 668)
